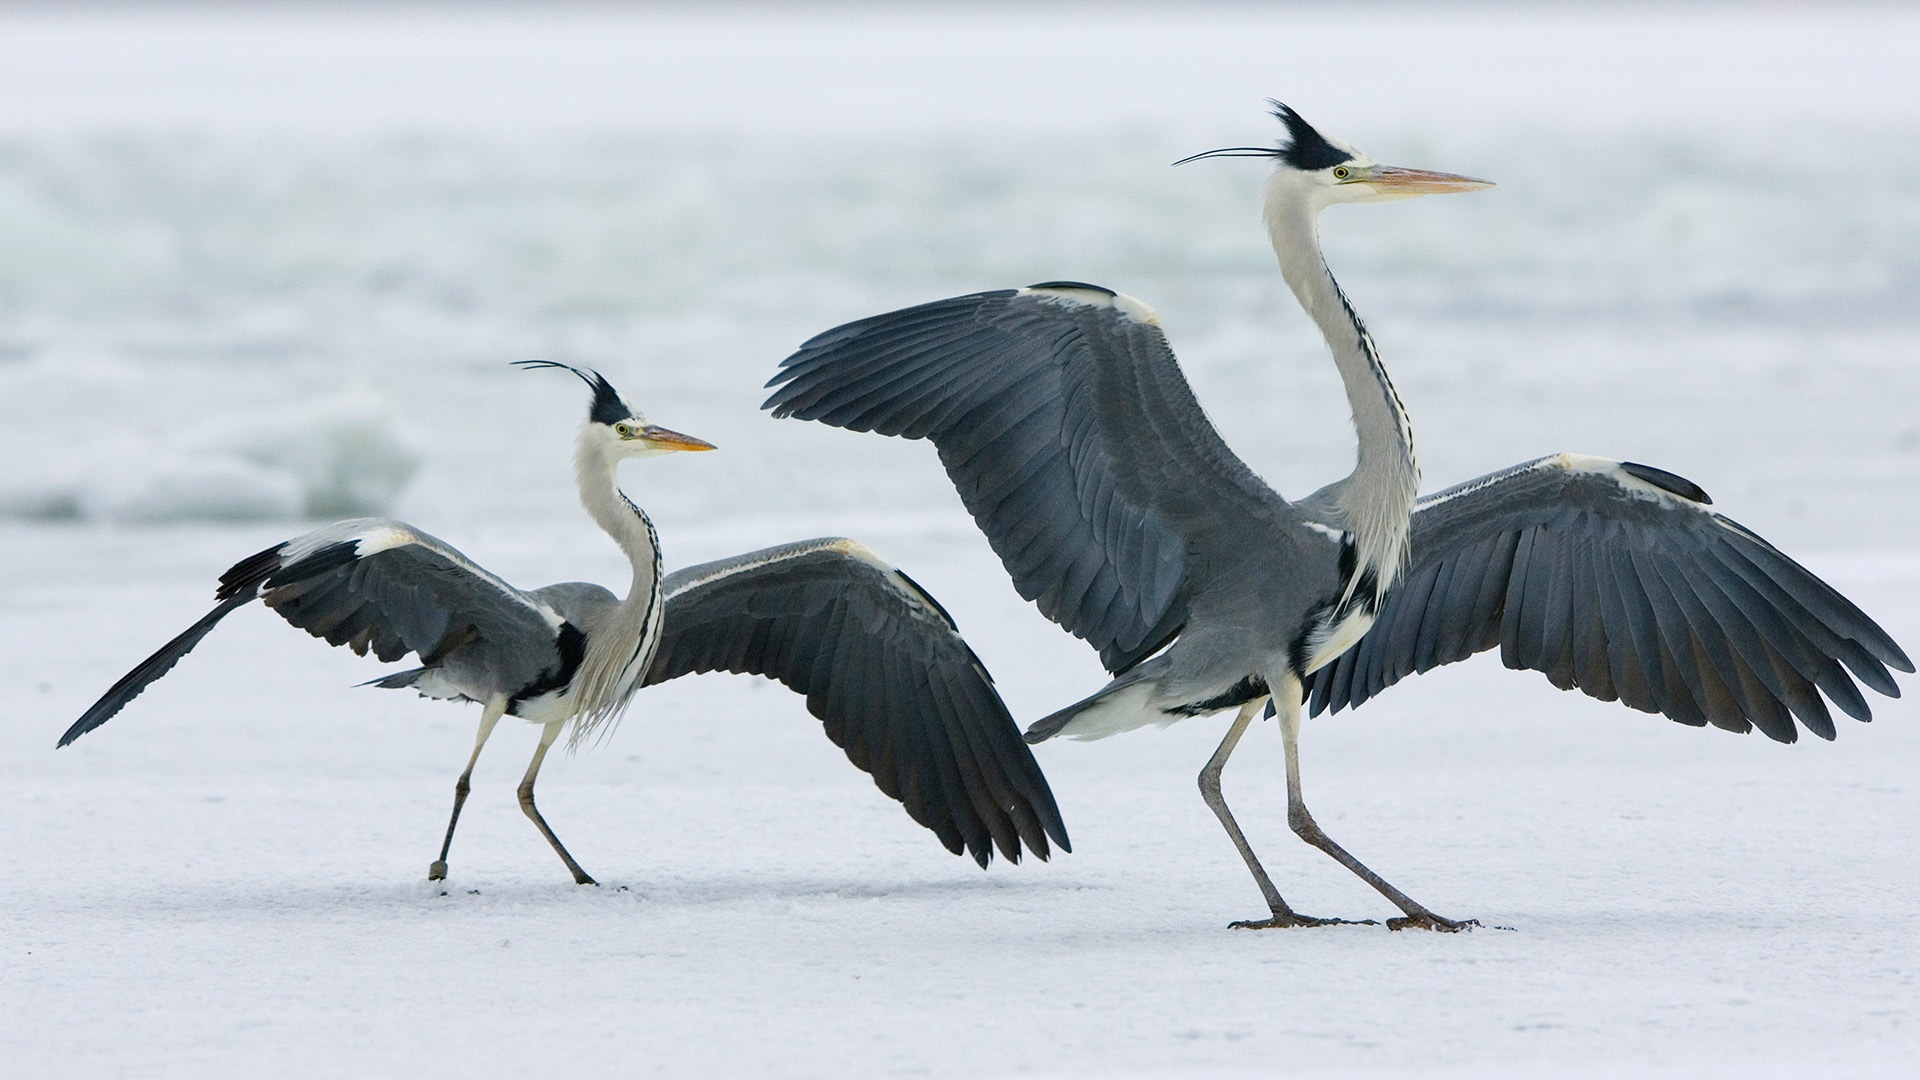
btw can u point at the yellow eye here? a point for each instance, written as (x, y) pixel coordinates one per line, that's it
(1341, 172)
(623, 429)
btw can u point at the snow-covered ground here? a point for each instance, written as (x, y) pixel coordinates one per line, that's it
(256, 267)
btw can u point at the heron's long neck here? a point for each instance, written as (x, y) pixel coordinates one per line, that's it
(1379, 496)
(620, 647)
(629, 525)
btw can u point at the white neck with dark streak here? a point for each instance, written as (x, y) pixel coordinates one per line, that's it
(621, 647)
(1379, 495)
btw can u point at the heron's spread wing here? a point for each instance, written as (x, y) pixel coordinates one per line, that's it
(886, 671)
(1067, 427)
(1616, 578)
(381, 586)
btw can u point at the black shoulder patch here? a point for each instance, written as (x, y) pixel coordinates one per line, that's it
(572, 646)
(1101, 289)
(1306, 149)
(1666, 481)
(1247, 689)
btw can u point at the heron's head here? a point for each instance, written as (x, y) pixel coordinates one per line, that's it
(617, 428)
(1318, 171)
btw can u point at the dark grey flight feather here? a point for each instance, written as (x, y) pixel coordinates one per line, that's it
(1070, 433)
(1646, 598)
(887, 673)
(161, 662)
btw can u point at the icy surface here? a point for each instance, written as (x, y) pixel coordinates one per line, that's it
(254, 266)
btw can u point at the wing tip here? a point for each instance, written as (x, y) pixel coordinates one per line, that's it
(1672, 483)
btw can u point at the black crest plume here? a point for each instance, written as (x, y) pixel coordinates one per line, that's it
(607, 406)
(1306, 150)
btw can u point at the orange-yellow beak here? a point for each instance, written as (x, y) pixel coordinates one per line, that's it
(666, 439)
(1393, 180)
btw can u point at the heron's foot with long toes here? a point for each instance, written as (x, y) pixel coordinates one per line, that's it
(1294, 920)
(438, 871)
(1430, 921)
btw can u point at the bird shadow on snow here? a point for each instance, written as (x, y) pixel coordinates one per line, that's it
(213, 901)
(723, 888)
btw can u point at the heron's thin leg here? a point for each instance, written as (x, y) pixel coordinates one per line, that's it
(488, 717)
(1283, 915)
(547, 736)
(1287, 701)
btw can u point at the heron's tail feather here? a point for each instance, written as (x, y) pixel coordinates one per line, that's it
(399, 680)
(153, 667)
(1123, 705)
(428, 682)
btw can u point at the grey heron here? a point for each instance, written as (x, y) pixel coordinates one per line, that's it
(881, 663)
(1063, 419)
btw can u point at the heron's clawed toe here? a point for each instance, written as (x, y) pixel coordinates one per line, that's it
(1430, 921)
(1294, 920)
(438, 871)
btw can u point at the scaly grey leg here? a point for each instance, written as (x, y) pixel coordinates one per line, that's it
(488, 717)
(547, 736)
(1283, 916)
(1287, 702)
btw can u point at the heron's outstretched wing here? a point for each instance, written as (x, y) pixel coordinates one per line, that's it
(1616, 578)
(886, 671)
(1065, 423)
(151, 668)
(381, 586)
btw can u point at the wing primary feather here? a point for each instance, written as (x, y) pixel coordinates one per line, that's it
(1556, 623)
(162, 661)
(1821, 601)
(1638, 687)
(934, 759)
(1511, 653)
(1675, 646)
(986, 803)
(1443, 613)
(1592, 667)
(1400, 645)
(1713, 657)
(1858, 655)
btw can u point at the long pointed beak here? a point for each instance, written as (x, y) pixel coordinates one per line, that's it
(1394, 180)
(666, 439)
